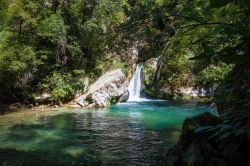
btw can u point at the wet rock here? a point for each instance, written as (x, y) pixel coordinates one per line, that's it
(124, 97)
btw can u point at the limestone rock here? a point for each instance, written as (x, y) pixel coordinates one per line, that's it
(43, 98)
(124, 97)
(112, 84)
(168, 92)
(194, 92)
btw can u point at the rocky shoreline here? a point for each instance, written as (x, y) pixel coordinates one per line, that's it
(219, 141)
(110, 88)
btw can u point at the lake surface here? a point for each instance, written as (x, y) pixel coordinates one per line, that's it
(123, 134)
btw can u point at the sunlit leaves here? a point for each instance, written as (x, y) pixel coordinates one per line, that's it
(3, 11)
(16, 60)
(58, 85)
(53, 28)
(214, 74)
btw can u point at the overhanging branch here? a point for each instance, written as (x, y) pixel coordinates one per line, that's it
(197, 24)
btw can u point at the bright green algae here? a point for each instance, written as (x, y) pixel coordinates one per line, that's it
(123, 134)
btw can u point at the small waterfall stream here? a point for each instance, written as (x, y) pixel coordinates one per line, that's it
(136, 83)
(134, 87)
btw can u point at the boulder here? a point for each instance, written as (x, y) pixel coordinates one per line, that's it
(124, 97)
(42, 98)
(202, 120)
(206, 140)
(111, 85)
(193, 148)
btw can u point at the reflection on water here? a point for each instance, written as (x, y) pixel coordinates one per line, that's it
(124, 134)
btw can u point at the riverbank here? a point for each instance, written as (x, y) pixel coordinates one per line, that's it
(18, 107)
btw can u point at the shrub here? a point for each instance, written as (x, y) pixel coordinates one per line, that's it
(58, 86)
(213, 74)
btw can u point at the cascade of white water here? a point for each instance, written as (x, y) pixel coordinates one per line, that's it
(134, 87)
(159, 62)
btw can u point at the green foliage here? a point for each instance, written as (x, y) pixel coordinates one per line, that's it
(53, 28)
(58, 86)
(114, 100)
(3, 11)
(218, 31)
(177, 70)
(38, 38)
(15, 62)
(213, 74)
(109, 62)
(207, 33)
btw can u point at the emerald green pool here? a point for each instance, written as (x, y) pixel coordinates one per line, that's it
(123, 134)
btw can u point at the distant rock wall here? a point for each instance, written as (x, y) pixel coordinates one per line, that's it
(167, 92)
(152, 73)
(194, 91)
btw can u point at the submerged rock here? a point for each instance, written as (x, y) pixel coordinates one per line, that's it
(109, 86)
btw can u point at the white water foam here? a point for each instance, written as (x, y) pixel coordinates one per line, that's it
(134, 87)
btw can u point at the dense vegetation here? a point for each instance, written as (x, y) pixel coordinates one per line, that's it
(54, 45)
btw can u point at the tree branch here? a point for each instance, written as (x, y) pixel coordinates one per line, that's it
(199, 22)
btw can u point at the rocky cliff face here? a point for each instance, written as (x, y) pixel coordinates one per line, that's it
(225, 140)
(152, 73)
(110, 86)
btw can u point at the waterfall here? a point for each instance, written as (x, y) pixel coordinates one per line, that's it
(159, 62)
(134, 87)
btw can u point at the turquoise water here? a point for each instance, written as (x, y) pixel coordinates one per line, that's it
(123, 134)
